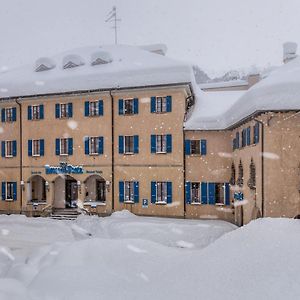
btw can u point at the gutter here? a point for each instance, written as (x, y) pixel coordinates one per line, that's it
(21, 151)
(112, 153)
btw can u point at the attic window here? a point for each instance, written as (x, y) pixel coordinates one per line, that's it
(100, 58)
(72, 61)
(44, 64)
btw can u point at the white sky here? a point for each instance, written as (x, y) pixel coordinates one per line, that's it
(218, 35)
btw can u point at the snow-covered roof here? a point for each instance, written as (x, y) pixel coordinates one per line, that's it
(278, 92)
(221, 84)
(128, 66)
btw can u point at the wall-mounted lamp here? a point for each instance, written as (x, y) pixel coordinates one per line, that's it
(47, 186)
(22, 183)
(107, 184)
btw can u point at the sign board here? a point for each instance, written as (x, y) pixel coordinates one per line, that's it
(64, 168)
(145, 203)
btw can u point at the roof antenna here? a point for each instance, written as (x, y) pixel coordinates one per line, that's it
(112, 17)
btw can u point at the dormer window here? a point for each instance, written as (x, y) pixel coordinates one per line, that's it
(100, 58)
(44, 64)
(72, 61)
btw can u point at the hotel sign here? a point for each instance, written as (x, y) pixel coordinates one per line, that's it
(64, 168)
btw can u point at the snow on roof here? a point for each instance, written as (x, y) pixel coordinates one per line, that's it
(279, 91)
(129, 67)
(221, 84)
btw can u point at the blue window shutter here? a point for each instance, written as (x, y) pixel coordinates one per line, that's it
(57, 146)
(121, 144)
(227, 194)
(169, 143)
(86, 145)
(153, 143)
(135, 105)
(136, 192)
(29, 112)
(211, 193)
(188, 192)
(29, 147)
(121, 191)
(57, 111)
(3, 148)
(3, 191)
(70, 110)
(14, 191)
(42, 147)
(237, 140)
(203, 147)
(169, 192)
(14, 114)
(86, 108)
(169, 103)
(70, 146)
(204, 193)
(248, 136)
(153, 192)
(153, 104)
(100, 107)
(14, 148)
(233, 144)
(101, 144)
(136, 144)
(41, 111)
(121, 106)
(3, 115)
(256, 133)
(187, 146)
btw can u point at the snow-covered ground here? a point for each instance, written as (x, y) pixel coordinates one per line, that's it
(130, 257)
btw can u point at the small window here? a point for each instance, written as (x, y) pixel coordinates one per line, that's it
(35, 112)
(36, 147)
(64, 146)
(94, 108)
(240, 180)
(161, 144)
(161, 192)
(64, 110)
(195, 192)
(195, 147)
(129, 144)
(161, 104)
(9, 114)
(9, 191)
(9, 149)
(128, 107)
(94, 145)
(129, 191)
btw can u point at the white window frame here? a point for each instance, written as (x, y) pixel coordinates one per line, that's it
(38, 147)
(96, 143)
(160, 104)
(161, 139)
(163, 198)
(36, 115)
(131, 150)
(131, 101)
(199, 193)
(60, 146)
(66, 110)
(8, 116)
(11, 184)
(129, 191)
(199, 145)
(11, 148)
(93, 111)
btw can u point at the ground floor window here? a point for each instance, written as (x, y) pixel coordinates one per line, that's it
(161, 192)
(9, 191)
(129, 191)
(195, 190)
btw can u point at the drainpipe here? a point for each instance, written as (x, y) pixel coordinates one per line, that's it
(262, 168)
(112, 153)
(21, 151)
(184, 176)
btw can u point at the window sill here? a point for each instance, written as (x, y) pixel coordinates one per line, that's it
(94, 203)
(63, 154)
(42, 202)
(94, 154)
(129, 153)
(161, 153)
(161, 203)
(9, 200)
(219, 204)
(196, 203)
(195, 154)
(129, 202)
(10, 156)
(36, 155)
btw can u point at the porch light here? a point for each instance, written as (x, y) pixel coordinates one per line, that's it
(22, 183)
(47, 185)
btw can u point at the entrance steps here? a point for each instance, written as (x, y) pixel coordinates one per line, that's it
(65, 214)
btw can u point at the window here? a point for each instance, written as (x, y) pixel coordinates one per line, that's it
(220, 193)
(161, 144)
(36, 146)
(129, 144)
(64, 146)
(128, 106)
(129, 191)
(232, 178)
(94, 145)
(161, 192)
(240, 180)
(9, 114)
(35, 112)
(195, 190)
(256, 133)
(8, 148)
(63, 110)
(94, 108)
(195, 147)
(252, 177)
(161, 104)
(9, 191)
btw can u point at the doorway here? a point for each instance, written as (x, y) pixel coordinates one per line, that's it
(71, 193)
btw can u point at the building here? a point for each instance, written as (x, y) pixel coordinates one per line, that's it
(120, 127)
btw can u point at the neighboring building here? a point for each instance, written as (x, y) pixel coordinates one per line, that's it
(124, 127)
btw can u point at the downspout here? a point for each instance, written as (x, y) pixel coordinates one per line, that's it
(262, 168)
(21, 152)
(112, 153)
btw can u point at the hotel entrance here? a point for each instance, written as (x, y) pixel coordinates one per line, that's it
(71, 193)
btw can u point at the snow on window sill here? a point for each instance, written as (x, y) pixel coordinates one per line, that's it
(94, 203)
(93, 154)
(42, 202)
(219, 204)
(8, 156)
(128, 153)
(9, 200)
(129, 202)
(161, 203)
(36, 155)
(196, 203)
(161, 152)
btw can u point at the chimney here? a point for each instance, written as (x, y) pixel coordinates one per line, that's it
(289, 51)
